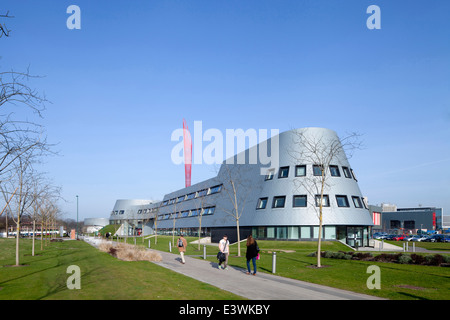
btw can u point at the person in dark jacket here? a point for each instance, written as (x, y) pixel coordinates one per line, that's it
(252, 253)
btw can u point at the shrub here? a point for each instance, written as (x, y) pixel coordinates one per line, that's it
(347, 256)
(417, 259)
(405, 259)
(434, 260)
(362, 256)
(387, 257)
(128, 252)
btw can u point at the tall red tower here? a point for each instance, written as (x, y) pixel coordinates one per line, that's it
(187, 154)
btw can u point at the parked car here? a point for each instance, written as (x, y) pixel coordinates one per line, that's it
(422, 238)
(435, 238)
(399, 237)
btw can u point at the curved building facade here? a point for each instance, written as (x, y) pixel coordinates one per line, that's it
(279, 200)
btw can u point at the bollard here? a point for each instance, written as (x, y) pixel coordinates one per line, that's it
(204, 252)
(134, 240)
(382, 244)
(404, 247)
(414, 247)
(170, 246)
(149, 243)
(407, 246)
(274, 262)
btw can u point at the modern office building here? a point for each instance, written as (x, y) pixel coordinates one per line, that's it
(92, 225)
(410, 220)
(276, 200)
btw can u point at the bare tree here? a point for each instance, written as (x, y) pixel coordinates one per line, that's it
(321, 151)
(237, 188)
(4, 31)
(200, 202)
(22, 183)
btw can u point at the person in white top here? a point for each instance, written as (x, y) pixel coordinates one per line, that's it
(224, 246)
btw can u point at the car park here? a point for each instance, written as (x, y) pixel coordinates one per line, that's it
(435, 238)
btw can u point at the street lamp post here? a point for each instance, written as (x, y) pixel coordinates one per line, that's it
(77, 218)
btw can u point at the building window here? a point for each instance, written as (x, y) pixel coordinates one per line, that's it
(325, 200)
(180, 199)
(202, 193)
(209, 210)
(299, 201)
(357, 202)
(195, 212)
(284, 172)
(334, 170)
(347, 173)
(278, 202)
(262, 202)
(270, 174)
(215, 189)
(353, 174)
(317, 170)
(300, 171)
(409, 224)
(342, 201)
(190, 196)
(165, 203)
(395, 224)
(185, 213)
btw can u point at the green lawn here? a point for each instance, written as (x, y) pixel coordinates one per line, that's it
(398, 281)
(102, 276)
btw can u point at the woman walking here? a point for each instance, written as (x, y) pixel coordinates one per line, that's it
(252, 253)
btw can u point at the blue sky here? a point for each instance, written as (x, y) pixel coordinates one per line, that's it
(123, 83)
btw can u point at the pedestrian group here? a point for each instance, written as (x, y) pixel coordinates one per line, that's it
(252, 253)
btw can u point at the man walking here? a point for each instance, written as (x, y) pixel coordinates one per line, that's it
(224, 246)
(182, 244)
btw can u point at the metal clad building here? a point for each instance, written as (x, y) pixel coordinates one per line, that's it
(277, 200)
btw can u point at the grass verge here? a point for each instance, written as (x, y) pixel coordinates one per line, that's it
(103, 277)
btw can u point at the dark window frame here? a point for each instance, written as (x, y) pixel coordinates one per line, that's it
(317, 166)
(275, 201)
(344, 197)
(281, 170)
(300, 166)
(300, 195)
(360, 202)
(259, 201)
(327, 201)
(337, 170)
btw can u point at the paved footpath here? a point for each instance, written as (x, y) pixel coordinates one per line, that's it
(263, 286)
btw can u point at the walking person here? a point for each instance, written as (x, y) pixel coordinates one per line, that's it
(224, 247)
(251, 254)
(182, 244)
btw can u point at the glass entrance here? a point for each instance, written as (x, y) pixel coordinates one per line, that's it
(357, 236)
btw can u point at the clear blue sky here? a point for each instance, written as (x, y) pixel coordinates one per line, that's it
(124, 82)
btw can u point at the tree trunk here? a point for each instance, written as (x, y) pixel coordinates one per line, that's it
(238, 237)
(17, 240)
(34, 231)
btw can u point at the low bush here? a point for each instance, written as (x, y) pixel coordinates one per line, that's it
(405, 259)
(434, 260)
(128, 252)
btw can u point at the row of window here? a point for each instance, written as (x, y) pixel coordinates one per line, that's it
(193, 195)
(299, 201)
(188, 213)
(300, 171)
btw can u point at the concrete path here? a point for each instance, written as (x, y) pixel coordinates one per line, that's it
(260, 287)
